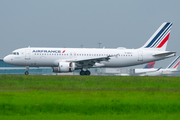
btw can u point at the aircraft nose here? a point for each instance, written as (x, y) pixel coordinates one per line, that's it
(6, 59)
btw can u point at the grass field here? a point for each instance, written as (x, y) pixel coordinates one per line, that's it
(89, 97)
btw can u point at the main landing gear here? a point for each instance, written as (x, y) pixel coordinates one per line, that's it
(27, 70)
(87, 72)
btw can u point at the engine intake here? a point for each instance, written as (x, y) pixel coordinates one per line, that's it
(64, 67)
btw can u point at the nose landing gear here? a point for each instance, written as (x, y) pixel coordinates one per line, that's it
(27, 70)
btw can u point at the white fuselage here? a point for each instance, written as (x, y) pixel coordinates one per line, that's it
(50, 57)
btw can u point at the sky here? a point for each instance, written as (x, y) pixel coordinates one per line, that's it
(77, 23)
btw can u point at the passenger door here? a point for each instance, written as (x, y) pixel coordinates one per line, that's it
(140, 56)
(27, 54)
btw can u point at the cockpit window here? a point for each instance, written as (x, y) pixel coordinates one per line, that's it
(15, 53)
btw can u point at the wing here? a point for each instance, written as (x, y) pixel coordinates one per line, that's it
(90, 62)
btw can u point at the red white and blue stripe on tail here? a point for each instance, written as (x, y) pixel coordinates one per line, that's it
(175, 63)
(160, 37)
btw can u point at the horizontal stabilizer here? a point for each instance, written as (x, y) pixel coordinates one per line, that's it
(177, 71)
(166, 53)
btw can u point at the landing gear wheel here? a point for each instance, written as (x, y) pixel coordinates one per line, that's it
(87, 72)
(26, 73)
(82, 72)
(27, 70)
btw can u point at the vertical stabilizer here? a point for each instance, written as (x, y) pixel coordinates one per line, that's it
(149, 65)
(160, 38)
(174, 64)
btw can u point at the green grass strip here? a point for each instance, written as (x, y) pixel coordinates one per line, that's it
(123, 97)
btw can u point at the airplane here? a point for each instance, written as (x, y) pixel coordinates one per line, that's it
(147, 66)
(70, 59)
(172, 68)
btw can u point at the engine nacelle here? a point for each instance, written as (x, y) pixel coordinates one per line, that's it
(64, 67)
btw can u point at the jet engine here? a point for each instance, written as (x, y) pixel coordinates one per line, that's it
(64, 67)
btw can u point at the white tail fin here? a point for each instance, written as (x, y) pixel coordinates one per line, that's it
(160, 38)
(174, 64)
